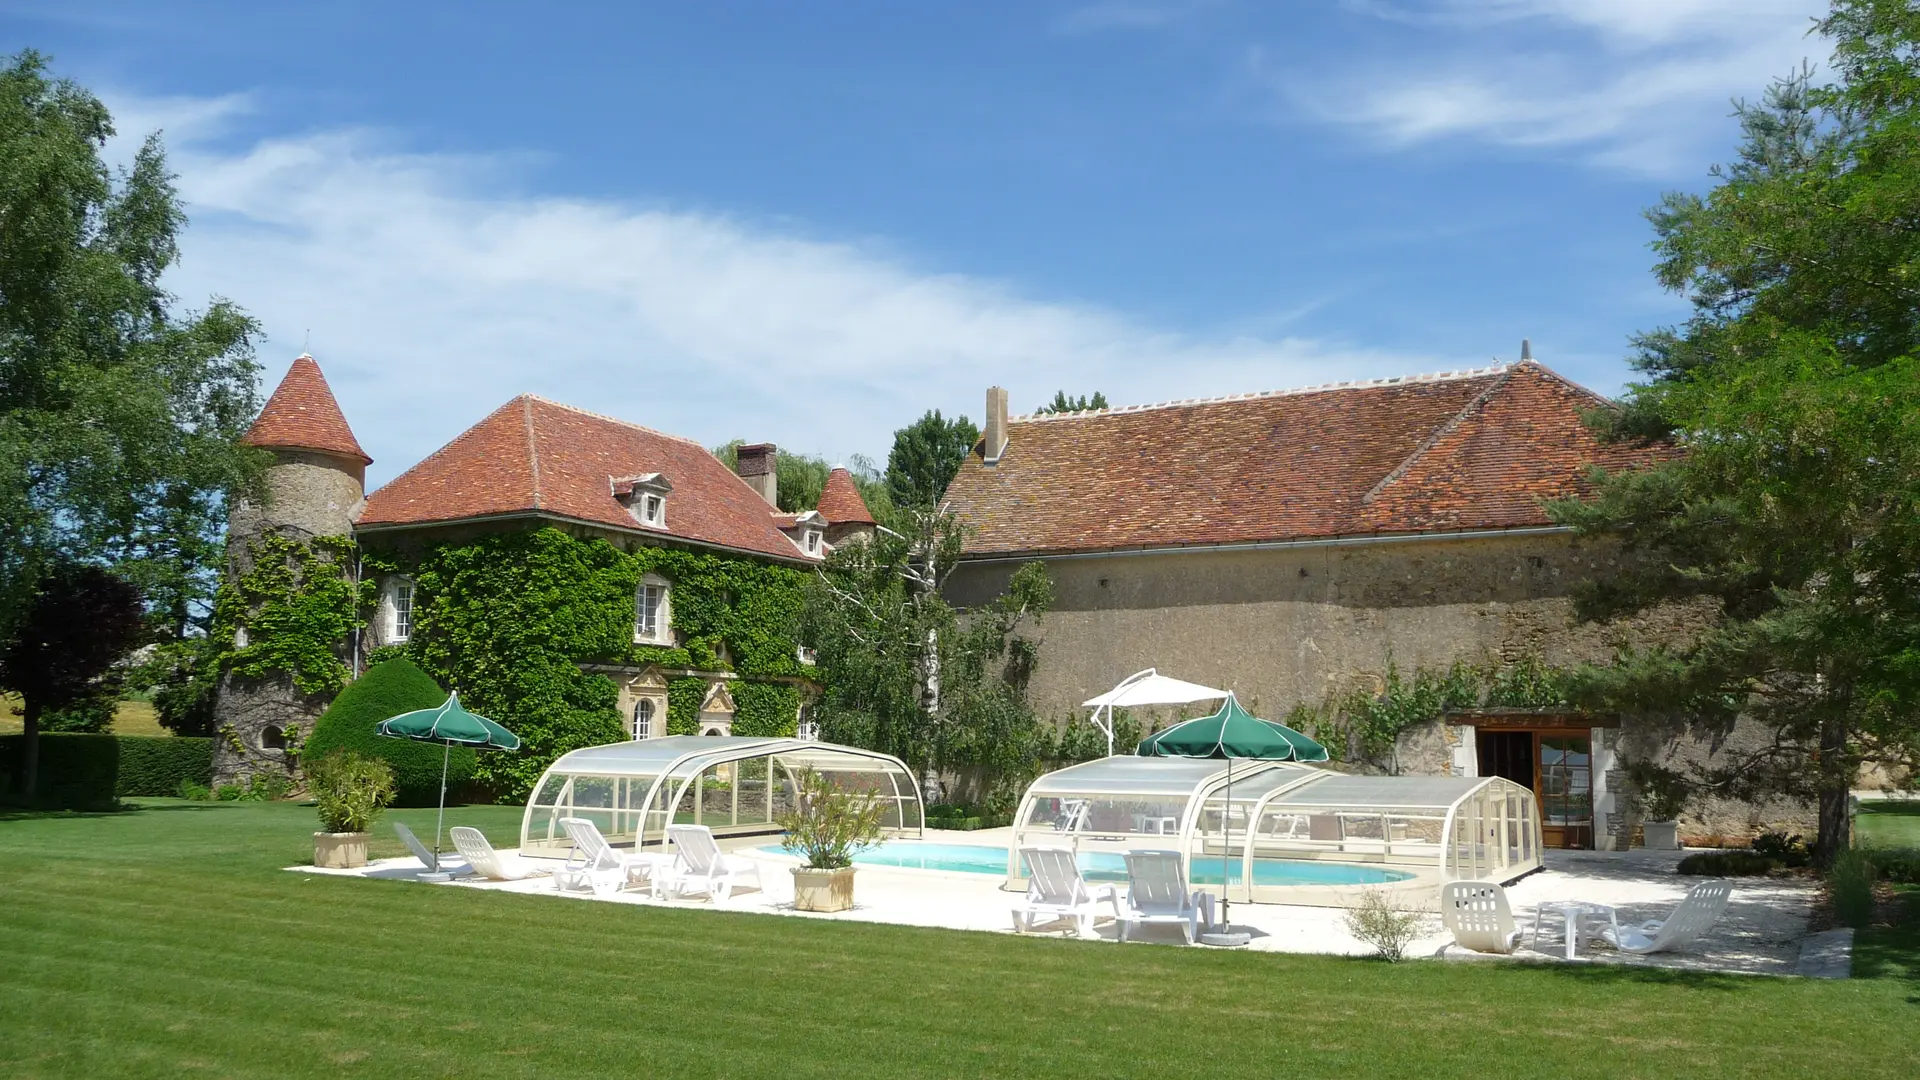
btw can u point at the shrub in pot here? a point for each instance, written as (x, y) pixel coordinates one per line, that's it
(350, 790)
(827, 827)
(1663, 797)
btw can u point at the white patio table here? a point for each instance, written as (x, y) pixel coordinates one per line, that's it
(1573, 920)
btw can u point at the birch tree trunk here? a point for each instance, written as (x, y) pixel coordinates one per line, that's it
(930, 787)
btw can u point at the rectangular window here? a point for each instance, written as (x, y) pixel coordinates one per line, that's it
(652, 507)
(402, 611)
(646, 612)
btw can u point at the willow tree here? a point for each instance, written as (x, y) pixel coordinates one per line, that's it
(904, 670)
(1793, 394)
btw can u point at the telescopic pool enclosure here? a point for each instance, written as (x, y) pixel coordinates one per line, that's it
(1428, 828)
(731, 784)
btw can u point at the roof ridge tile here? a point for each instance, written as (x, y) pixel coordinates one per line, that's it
(614, 420)
(1255, 395)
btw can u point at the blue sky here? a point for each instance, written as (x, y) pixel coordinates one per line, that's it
(810, 222)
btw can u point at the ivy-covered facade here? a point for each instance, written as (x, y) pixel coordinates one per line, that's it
(577, 578)
(536, 628)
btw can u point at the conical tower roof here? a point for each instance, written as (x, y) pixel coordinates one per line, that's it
(303, 415)
(840, 501)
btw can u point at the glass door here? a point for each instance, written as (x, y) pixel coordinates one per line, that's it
(1566, 790)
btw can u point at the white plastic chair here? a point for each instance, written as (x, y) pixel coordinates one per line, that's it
(488, 863)
(1056, 890)
(1073, 815)
(699, 866)
(1692, 917)
(593, 864)
(443, 864)
(1157, 893)
(1479, 916)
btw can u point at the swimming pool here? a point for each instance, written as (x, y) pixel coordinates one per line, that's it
(1110, 866)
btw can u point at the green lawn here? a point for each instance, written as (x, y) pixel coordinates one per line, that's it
(169, 942)
(1888, 823)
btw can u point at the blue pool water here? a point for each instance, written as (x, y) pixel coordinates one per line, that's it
(1109, 866)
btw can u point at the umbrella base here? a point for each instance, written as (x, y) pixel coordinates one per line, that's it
(1225, 937)
(440, 877)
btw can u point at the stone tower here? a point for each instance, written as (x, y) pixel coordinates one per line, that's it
(314, 486)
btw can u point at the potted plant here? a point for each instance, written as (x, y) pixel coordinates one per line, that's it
(1663, 797)
(350, 790)
(827, 827)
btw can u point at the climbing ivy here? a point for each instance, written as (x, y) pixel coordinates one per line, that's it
(1363, 724)
(508, 619)
(683, 705)
(297, 608)
(764, 709)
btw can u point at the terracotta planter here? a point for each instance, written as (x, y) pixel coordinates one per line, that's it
(822, 890)
(1661, 835)
(340, 850)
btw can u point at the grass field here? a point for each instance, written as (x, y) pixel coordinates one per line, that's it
(1888, 823)
(169, 942)
(131, 718)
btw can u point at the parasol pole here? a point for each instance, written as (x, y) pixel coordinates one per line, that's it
(445, 754)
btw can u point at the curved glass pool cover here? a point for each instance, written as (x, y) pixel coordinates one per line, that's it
(731, 784)
(1441, 828)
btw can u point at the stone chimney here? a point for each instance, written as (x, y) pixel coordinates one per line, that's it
(994, 441)
(1526, 350)
(755, 465)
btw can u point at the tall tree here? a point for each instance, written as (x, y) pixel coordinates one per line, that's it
(904, 672)
(1061, 403)
(81, 621)
(1793, 391)
(118, 416)
(926, 454)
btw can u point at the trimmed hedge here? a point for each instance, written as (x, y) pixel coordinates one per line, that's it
(93, 772)
(157, 764)
(389, 689)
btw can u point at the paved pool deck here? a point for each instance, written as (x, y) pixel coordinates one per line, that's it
(1759, 934)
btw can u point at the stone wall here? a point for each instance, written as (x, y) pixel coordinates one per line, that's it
(249, 709)
(1286, 625)
(1282, 626)
(308, 494)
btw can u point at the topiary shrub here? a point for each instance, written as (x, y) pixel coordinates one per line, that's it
(389, 689)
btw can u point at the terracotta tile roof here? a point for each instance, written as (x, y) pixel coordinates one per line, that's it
(840, 501)
(534, 456)
(302, 414)
(1472, 450)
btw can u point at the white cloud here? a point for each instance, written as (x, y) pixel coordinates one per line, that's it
(1643, 85)
(433, 297)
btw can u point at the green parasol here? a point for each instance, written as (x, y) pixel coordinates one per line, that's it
(1232, 732)
(449, 725)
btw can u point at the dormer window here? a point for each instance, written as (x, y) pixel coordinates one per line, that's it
(652, 615)
(807, 530)
(644, 496)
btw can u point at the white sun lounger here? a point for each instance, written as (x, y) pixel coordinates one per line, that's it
(488, 863)
(1692, 917)
(1055, 890)
(594, 865)
(1478, 915)
(444, 865)
(700, 867)
(1157, 893)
